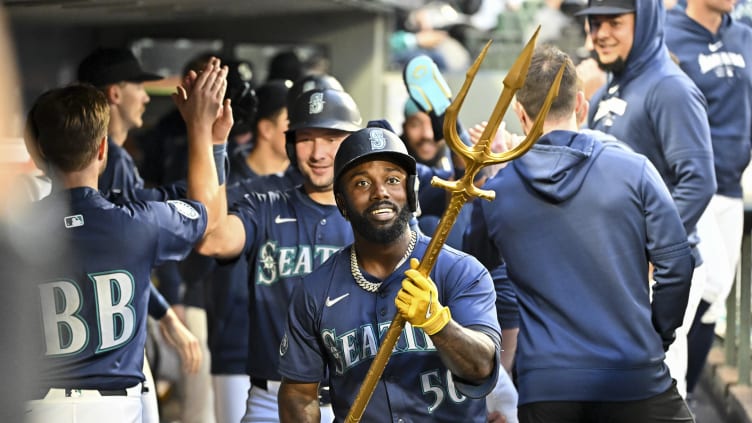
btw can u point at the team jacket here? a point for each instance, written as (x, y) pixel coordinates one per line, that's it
(577, 222)
(92, 326)
(655, 108)
(718, 64)
(288, 235)
(335, 325)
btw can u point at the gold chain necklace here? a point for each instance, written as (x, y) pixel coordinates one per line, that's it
(361, 280)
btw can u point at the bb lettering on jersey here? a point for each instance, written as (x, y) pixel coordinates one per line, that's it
(66, 332)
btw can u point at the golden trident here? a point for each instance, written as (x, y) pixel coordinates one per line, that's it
(462, 190)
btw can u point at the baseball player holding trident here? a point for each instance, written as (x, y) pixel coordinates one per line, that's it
(286, 235)
(444, 336)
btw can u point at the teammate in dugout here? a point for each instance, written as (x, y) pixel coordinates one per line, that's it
(285, 235)
(445, 361)
(93, 312)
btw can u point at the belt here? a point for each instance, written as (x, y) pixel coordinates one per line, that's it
(324, 397)
(260, 383)
(76, 393)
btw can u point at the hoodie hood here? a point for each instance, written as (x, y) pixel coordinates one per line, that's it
(648, 45)
(556, 166)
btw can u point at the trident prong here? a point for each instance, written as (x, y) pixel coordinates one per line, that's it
(462, 190)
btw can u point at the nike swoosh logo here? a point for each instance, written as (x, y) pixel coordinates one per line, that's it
(329, 302)
(280, 219)
(713, 47)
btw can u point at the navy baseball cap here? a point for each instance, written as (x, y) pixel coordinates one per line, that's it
(272, 96)
(608, 7)
(106, 66)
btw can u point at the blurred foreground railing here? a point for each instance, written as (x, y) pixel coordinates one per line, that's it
(736, 342)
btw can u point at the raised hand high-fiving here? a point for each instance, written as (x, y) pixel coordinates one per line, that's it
(200, 101)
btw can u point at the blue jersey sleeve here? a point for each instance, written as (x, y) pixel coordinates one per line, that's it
(157, 303)
(170, 280)
(246, 212)
(301, 357)
(179, 225)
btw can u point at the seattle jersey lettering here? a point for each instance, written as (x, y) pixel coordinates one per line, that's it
(286, 262)
(723, 63)
(352, 347)
(66, 332)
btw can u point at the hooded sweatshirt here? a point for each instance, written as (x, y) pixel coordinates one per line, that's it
(718, 64)
(577, 222)
(657, 110)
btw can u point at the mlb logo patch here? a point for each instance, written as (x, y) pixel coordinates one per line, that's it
(74, 221)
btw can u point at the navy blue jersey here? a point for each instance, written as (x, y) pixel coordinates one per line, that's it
(335, 325)
(93, 312)
(717, 63)
(121, 172)
(226, 290)
(655, 108)
(288, 235)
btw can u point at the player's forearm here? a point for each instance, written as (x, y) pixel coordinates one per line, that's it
(298, 405)
(467, 353)
(203, 184)
(226, 241)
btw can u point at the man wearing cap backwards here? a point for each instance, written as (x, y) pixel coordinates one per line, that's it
(652, 106)
(447, 358)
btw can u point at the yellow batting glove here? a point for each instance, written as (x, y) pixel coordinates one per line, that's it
(418, 301)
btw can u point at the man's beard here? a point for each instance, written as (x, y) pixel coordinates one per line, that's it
(615, 67)
(432, 162)
(379, 235)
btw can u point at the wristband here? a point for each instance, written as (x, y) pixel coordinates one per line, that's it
(221, 161)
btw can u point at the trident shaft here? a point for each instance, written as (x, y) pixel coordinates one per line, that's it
(462, 190)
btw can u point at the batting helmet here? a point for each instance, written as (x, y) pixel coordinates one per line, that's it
(311, 82)
(324, 109)
(373, 144)
(241, 94)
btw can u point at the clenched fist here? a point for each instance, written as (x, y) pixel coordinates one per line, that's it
(418, 302)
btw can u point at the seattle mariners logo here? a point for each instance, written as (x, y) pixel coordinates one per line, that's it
(316, 103)
(185, 209)
(275, 262)
(267, 272)
(378, 142)
(283, 345)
